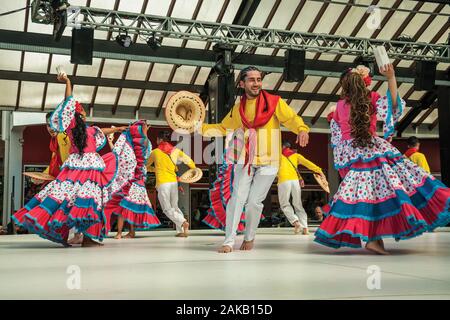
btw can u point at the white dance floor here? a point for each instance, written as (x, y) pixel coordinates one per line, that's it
(156, 265)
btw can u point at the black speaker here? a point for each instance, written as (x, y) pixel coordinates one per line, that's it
(425, 75)
(294, 65)
(82, 45)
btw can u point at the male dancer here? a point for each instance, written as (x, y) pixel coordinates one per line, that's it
(260, 115)
(290, 183)
(163, 161)
(415, 156)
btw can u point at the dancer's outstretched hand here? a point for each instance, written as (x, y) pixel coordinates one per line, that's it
(303, 138)
(387, 70)
(302, 183)
(62, 77)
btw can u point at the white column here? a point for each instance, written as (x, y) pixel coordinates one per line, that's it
(12, 189)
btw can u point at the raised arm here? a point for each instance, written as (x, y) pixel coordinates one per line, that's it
(64, 114)
(64, 78)
(389, 73)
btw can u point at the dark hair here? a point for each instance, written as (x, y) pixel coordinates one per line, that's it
(355, 92)
(287, 144)
(243, 73)
(79, 133)
(47, 117)
(164, 136)
(412, 141)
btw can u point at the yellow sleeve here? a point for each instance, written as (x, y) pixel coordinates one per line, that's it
(308, 164)
(231, 122)
(150, 162)
(288, 118)
(185, 159)
(422, 162)
(64, 146)
(46, 170)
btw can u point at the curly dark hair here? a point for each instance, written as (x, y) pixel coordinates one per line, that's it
(355, 92)
(79, 133)
(245, 71)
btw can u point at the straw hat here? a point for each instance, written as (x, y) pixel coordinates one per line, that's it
(184, 111)
(322, 182)
(191, 176)
(39, 177)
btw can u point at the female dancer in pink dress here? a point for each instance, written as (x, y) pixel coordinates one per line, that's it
(76, 198)
(382, 194)
(131, 204)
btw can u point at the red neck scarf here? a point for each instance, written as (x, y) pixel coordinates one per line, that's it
(266, 104)
(287, 152)
(166, 147)
(410, 152)
(55, 162)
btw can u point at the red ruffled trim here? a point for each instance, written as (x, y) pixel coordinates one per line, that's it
(409, 222)
(39, 221)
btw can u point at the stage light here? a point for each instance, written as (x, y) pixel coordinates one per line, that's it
(154, 42)
(124, 40)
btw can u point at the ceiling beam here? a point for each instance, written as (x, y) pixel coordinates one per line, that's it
(43, 43)
(156, 86)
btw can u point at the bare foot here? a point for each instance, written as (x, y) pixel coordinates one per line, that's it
(247, 245)
(181, 235)
(381, 243)
(88, 242)
(374, 246)
(130, 235)
(118, 236)
(186, 228)
(296, 227)
(225, 249)
(77, 239)
(66, 244)
(305, 231)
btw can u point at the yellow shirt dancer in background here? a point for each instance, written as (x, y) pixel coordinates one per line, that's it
(59, 146)
(163, 162)
(290, 183)
(259, 114)
(414, 155)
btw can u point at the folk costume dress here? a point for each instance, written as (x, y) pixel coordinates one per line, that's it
(76, 198)
(383, 194)
(131, 201)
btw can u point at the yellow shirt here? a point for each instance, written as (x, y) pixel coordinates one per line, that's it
(419, 159)
(164, 166)
(268, 149)
(287, 170)
(63, 148)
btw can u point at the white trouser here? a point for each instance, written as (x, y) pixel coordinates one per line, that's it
(168, 198)
(285, 190)
(249, 191)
